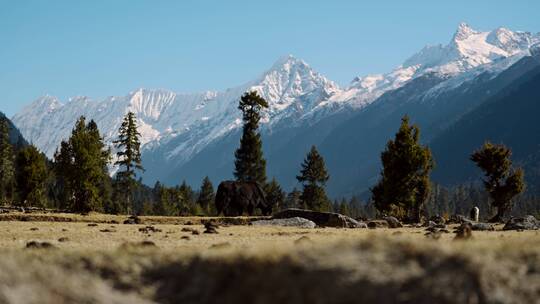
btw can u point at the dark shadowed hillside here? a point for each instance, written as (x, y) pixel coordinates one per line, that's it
(510, 117)
(15, 135)
(353, 148)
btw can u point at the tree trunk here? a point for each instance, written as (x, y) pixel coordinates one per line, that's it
(498, 218)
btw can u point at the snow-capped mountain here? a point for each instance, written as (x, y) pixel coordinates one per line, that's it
(177, 127)
(163, 114)
(468, 54)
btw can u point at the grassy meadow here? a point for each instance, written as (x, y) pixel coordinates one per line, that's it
(98, 259)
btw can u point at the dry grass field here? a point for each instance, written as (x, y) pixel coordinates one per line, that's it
(97, 259)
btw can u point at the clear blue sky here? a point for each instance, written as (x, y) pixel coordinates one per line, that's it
(102, 48)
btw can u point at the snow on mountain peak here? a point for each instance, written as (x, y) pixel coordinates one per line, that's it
(288, 79)
(509, 41)
(468, 50)
(464, 31)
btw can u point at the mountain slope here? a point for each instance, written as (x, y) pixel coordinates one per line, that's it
(15, 136)
(509, 117)
(353, 148)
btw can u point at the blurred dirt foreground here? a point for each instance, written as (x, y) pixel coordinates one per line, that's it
(98, 259)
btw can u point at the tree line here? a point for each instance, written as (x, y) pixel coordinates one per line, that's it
(78, 179)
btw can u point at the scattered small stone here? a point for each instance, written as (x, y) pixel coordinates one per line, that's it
(303, 240)
(148, 243)
(64, 229)
(464, 231)
(63, 239)
(393, 222)
(132, 220)
(39, 245)
(114, 222)
(210, 227)
(186, 229)
(397, 233)
(437, 219)
(92, 225)
(107, 230)
(195, 232)
(188, 223)
(377, 224)
(149, 229)
(433, 235)
(34, 229)
(432, 229)
(185, 237)
(429, 224)
(143, 244)
(220, 245)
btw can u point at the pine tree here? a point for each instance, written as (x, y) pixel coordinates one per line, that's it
(503, 182)
(129, 158)
(206, 196)
(163, 205)
(81, 168)
(31, 175)
(7, 170)
(185, 200)
(274, 194)
(314, 176)
(404, 184)
(293, 199)
(344, 207)
(250, 164)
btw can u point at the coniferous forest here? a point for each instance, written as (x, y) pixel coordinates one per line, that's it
(78, 178)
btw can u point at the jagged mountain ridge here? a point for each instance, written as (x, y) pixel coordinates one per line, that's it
(178, 127)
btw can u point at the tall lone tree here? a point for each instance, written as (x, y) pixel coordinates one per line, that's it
(31, 175)
(250, 164)
(81, 168)
(7, 169)
(314, 176)
(503, 182)
(129, 157)
(404, 185)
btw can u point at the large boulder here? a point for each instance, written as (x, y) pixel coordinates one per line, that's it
(289, 222)
(482, 226)
(475, 226)
(528, 222)
(322, 219)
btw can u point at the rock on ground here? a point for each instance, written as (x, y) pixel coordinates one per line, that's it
(482, 226)
(322, 219)
(393, 222)
(528, 222)
(289, 222)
